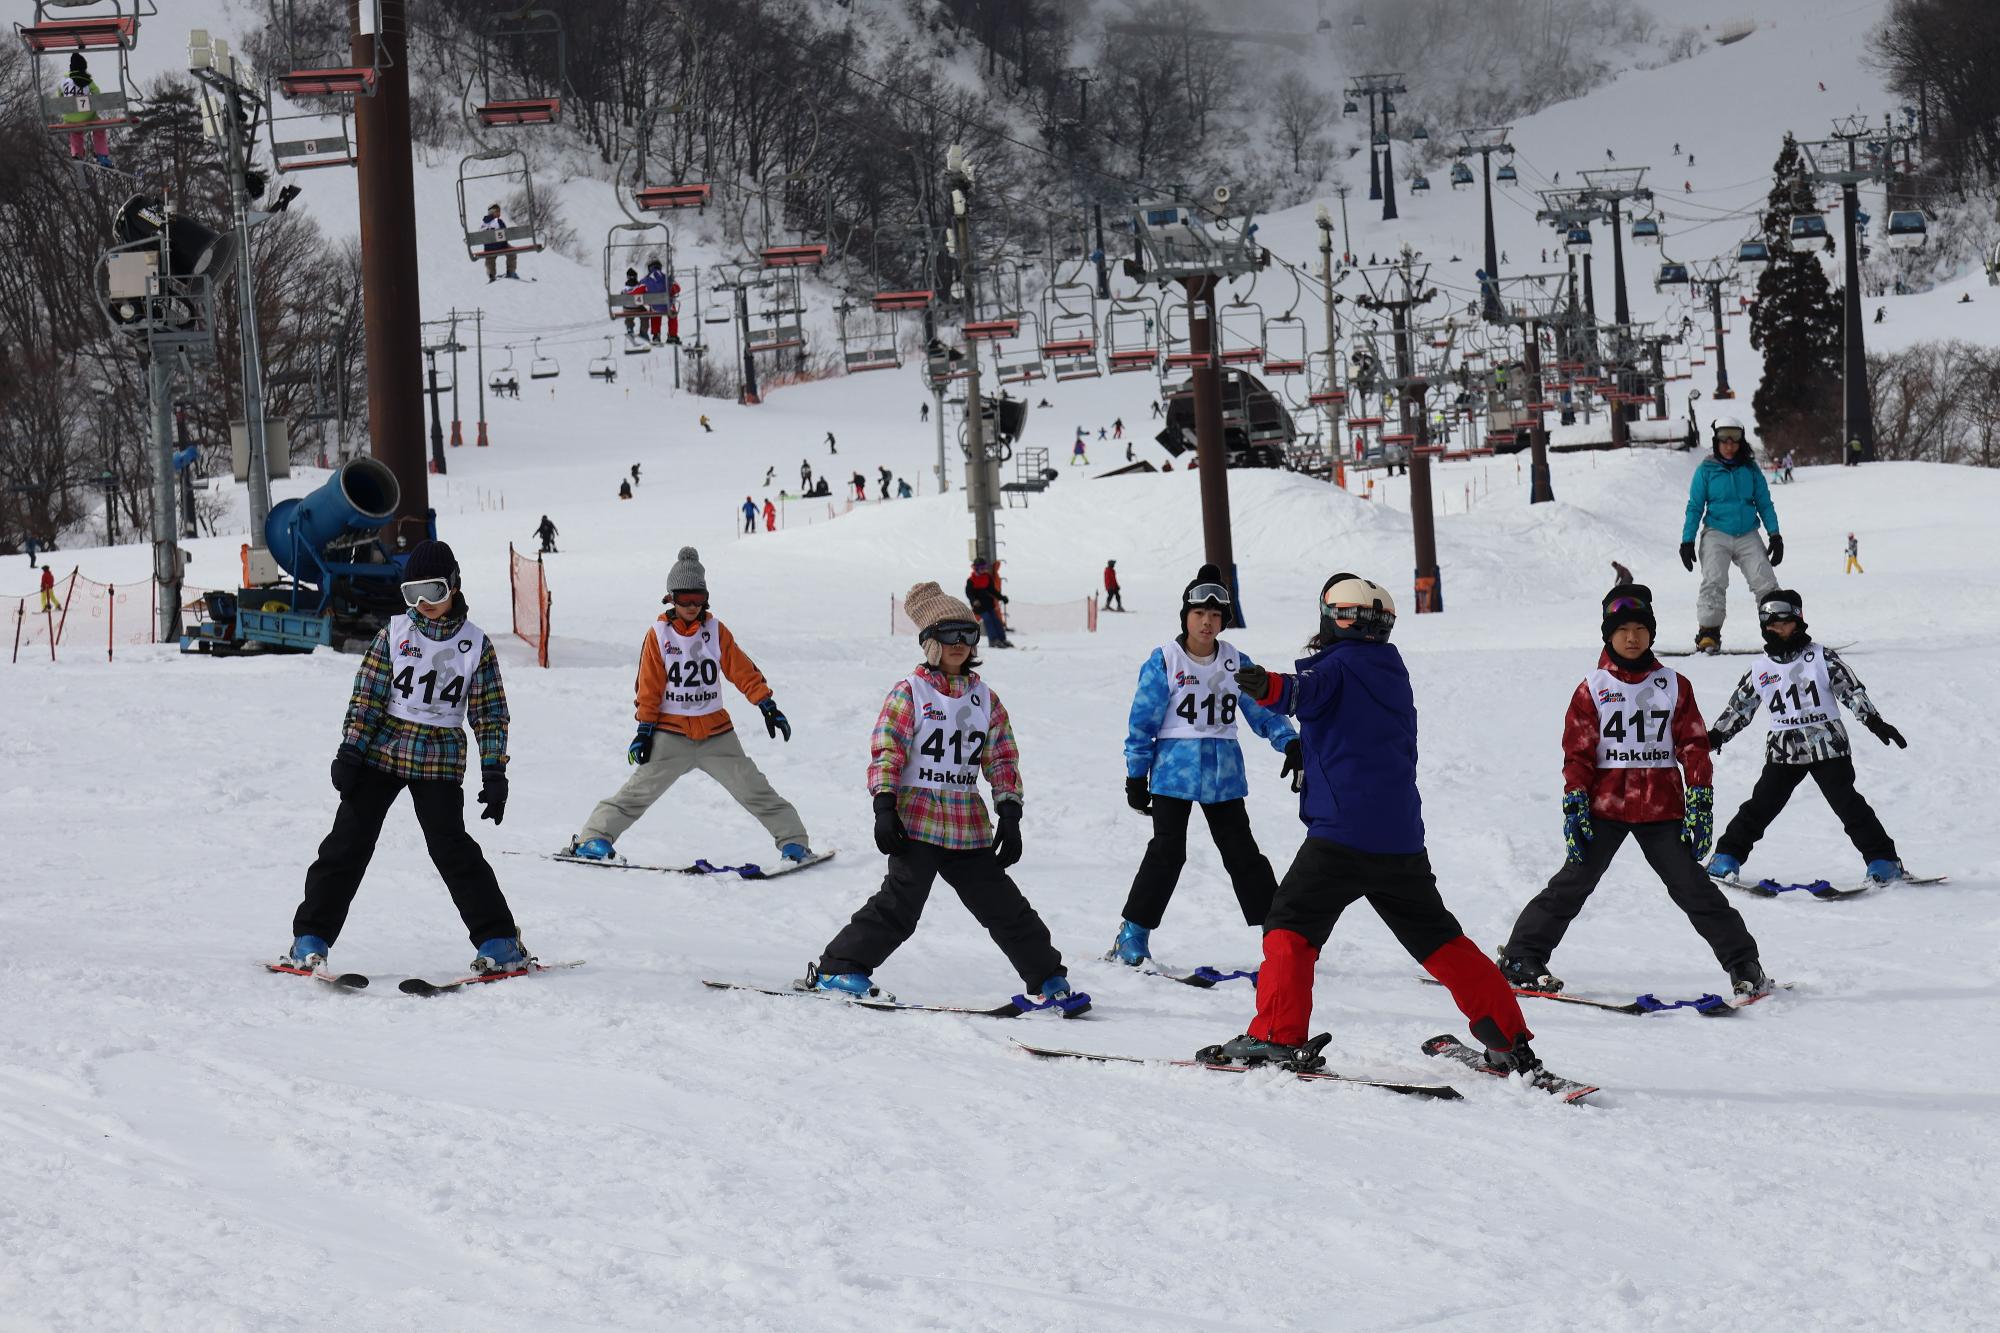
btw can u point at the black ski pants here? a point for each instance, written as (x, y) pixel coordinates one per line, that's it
(1774, 788)
(890, 916)
(1114, 599)
(1546, 918)
(1250, 874)
(344, 855)
(1326, 878)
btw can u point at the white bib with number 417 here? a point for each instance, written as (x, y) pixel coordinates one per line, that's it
(1635, 721)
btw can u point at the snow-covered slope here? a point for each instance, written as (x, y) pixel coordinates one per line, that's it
(187, 1142)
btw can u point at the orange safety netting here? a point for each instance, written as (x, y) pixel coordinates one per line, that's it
(531, 602)
(81, 613)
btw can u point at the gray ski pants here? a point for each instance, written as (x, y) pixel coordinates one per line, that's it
(674, 755)
(1719, 551)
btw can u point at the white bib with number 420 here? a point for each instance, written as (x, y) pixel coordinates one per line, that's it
(428, 677)
(1201, 696)
(693, 664)
(950, 737)
(1635, 721)
(1796, 693)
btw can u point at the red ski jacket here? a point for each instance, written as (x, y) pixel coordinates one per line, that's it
(1634, 795)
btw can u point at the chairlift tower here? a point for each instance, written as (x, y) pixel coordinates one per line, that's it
(1381, 91)
(1528, 303)
(1486, 141)
(1331, 398)
(1178, 246)
(1713, 275)
(1399, 288)
(1839, 161)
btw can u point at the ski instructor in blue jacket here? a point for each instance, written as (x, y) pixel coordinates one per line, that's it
(1727, 500)
(1181, 751)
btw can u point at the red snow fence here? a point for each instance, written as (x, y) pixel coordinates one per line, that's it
(1073, 617)
(531, 602)
(80, 613)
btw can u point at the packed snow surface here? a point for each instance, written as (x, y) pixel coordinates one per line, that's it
(188, 1142)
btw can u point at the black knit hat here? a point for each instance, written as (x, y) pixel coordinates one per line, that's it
(1782, 601)
(1634, 605)
(431, 560)
(1211, 576)
(77, 64)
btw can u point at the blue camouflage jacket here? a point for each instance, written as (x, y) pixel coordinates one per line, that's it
(1184, 767)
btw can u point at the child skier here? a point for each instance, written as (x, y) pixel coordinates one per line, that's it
(683, 725)
(1807, 738)
(81, 86)
(1631, 730)
(1180, 751)
(939, 729)
(1114, 594)
(1364, 839)
(427, 674)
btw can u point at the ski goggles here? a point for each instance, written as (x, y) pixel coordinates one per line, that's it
(1617, 604)
(1730, 435)
(426, 590)
(953, 632)
(1207, 594)
(689, 599)
(1771, 611)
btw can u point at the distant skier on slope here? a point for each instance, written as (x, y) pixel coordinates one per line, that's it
(1364, 838)
(545, 531)
(425, 675)
(1114, 594)
(940, 730)
(1802, 686)
(1181, 751)
(1631, 730)
(1727, 500)
(684, 659)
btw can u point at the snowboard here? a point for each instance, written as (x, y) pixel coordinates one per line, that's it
(1439, 1091)
(748, 870)
(1014, 1008)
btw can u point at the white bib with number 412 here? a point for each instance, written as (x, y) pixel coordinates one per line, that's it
(428, 677)
(1635, 721)
(950, 737)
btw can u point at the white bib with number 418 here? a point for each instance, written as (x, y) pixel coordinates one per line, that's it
(1635, 721)
(1201, 696)
(950, 737)
(428, 677)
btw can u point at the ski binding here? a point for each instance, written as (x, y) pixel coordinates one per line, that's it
(1450, 1047)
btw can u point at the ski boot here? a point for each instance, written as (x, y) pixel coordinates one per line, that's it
(843, 985)
(1708, 639)
(1133, 946)
(1057, 994)
(1749, 983)
(795, 851)
(592, 849)
(1249, 1050)
(1723, 866)
(502, 955)
(1524, 975)
(308, 953)
(1884, 872)
(1520, 1058)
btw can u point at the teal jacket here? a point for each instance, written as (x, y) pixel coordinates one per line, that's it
(1731, 496)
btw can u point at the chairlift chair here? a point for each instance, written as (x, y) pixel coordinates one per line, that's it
(1753, 254)
(1461, 175)
(1646, 229)
(1236, 347)
(1671, 275)
(1506, 175)
(504, 378)
(889, 302)
(793, 256)
(309, 139)
(1806, 229)
(1907, 229)
(1285, 342)
(871, 345)
(634, 245)
(111, 27)
(534, 40)
(507, 166)
(1131, 334)
(1420, 184)
(603, 367)
(329, 71)
(662, 198)
(1577, 240)
(543, 367)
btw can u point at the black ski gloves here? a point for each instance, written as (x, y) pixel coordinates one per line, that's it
(1777, 551)
(1687, 556)
(347, 768)
(1253, 680)
(1716, 740)
(890, 839)
(1137, 796)
(493, 793)
(1885, 733)
(640, 751)
(774, 721)
(1295, 765)
(1007, 837)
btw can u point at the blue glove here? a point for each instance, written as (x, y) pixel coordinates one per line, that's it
(641, 749)
(1577, 831)
(1698, 823)
(774, 721)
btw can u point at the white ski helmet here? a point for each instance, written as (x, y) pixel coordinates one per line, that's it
(1728, 422)
(1351, 607)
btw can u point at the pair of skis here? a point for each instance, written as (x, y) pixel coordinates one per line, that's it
(417, 985)
(1019, 1006)
(749, 870)
(1819, 889)
(1708, 1006)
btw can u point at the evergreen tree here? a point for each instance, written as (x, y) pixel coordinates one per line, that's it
(1795, 323)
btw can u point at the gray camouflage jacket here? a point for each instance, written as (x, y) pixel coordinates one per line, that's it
(1801, 745)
